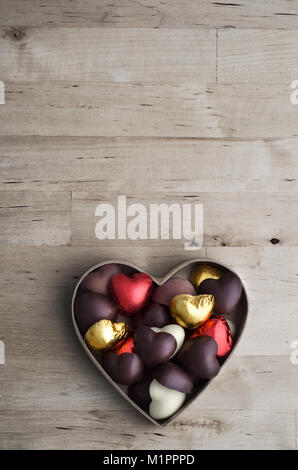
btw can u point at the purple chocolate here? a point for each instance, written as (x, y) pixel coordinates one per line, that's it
(89, 308)
(172, 376)
(154, 315)
(154, 348)
(125, 369)
(139, 392)
(198, 357)
(227, 292)
(98, 281)
(175, 286)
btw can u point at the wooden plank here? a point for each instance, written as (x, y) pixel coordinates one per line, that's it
(34, 218)
(262, 218)
(113, 55)
(251, 56)
(87, 162)
(40, 382)
(38, 283)
(131, 14)
(244, 429)
(110, 109)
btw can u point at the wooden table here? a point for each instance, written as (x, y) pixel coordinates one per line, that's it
(160, 101)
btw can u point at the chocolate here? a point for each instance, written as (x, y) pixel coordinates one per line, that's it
(125, 345)
(175, 286)
(203, 271)
(98, 281)
(131, 292)
(198, 357)
(227, 292)
(172, 376)
(139, 392)
(90, 308)
(218, 329)
(154, 348)
(126, 369)
(154, 315)
(104, 334)
(191, 311)
(164, 401)
(175, 330)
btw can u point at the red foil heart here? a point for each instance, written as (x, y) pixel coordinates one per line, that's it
(131, 292)
(218, 329)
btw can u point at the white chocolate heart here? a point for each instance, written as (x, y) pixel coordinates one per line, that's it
(165, 401)
(175, 330)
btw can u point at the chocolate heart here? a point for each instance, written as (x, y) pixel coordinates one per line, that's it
(154, 315)
(98, 281)
(131, 292)
(227, 292)
(163, 391)
(172, 376)
(90, 308)
(191, 311)
(154, 348)
(125, 369)
(175, 286)
(238, 317)
(175, 330)
(198, 357)
(139, 392)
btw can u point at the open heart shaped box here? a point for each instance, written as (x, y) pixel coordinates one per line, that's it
(238, 317)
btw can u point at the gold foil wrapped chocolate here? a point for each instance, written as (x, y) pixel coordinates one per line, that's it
(191, 311)
(204, 271)
(104, 334)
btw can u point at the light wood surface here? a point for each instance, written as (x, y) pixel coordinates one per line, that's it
(175, 101)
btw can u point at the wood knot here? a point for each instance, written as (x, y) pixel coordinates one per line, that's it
(16, 34)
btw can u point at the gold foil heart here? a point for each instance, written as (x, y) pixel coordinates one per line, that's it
(191, 311)
(204, 271)
(104, 334)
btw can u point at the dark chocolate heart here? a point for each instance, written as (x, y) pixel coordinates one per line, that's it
(172, 376)
(198, 357)
(139, 392)
(89, 308)
(153, 348)
(175, 286)
(154, 315)
(125, 369)
(98, 281)
(227, 292)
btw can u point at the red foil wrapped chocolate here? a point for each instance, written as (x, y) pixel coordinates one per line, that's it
(125, 345)
(131, 292)
(218, 329)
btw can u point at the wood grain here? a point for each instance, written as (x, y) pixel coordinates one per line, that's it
(38, 283)
(265, 57)
(170, 101)
(87, 163)
(262, 218)
(126, 55)
(157, 14)
(38, 218)
(246, 383)
(117, 109)
(88, 430)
